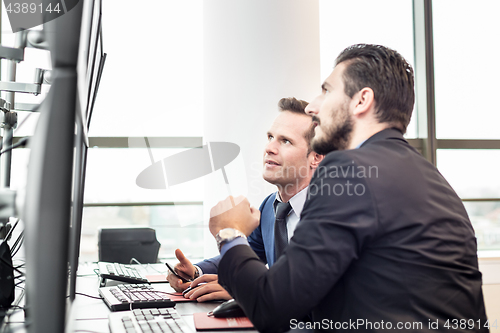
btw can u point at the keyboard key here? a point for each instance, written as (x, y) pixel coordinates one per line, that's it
(126, 297)
(153, 321)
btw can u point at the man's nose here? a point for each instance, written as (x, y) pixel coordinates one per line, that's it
(313, 107)
(271, 147)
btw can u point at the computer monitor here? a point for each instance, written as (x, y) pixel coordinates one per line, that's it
(53, 202)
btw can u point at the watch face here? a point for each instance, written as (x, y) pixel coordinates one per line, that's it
(226, 233)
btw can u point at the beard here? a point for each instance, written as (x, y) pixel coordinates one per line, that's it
(337, 136)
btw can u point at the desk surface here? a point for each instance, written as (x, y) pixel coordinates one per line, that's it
(88, 314)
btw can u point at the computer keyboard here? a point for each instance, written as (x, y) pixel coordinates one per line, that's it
(147, 320)
(134, 296)
(120, 272)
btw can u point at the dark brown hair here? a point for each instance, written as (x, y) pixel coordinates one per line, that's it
(388, 74)
(294, 105)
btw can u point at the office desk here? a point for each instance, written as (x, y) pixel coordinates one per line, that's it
(88, 314)
(91, 315)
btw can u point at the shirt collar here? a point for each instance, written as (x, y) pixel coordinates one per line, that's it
(297, 201)
(360, 144)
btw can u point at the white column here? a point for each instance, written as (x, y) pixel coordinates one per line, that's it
(255, 53)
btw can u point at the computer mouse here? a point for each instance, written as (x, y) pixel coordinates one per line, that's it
(229, 309)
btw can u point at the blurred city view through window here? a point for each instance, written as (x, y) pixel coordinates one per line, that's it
(154, 98)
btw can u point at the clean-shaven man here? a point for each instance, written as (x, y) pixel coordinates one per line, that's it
(289, 163)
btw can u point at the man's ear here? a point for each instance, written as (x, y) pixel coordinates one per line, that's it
(315, 159)
(364, 101)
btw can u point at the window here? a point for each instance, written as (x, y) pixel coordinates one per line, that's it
(464, 78)
(374, 24)
(465, 55)
(153, 78)
(152, 85)
(466, 121)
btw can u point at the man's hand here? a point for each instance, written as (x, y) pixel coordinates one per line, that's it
(185, 269)
(234, 213)
(211, 290)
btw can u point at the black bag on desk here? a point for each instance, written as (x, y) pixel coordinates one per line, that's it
(6, 276)
(122, 244)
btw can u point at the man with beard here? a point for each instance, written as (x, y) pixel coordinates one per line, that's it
(288, 163)
(384, 243)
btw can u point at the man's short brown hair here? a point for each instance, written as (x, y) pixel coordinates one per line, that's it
(294, 105)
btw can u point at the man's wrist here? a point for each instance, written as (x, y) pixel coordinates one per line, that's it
(197, 271)
(229, 245)
(226, 235)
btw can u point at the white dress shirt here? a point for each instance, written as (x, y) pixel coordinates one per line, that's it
(297, 203)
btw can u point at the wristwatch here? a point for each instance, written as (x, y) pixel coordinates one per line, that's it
(227, 235)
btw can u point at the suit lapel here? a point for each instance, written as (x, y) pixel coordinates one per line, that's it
(267, 227)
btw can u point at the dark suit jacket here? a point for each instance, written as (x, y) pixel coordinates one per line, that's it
(261, 240)
(382, 237)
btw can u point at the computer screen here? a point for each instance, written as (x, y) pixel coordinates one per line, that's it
(91, 58)
(89, 68)
(79, 171)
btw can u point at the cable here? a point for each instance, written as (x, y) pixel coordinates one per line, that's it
(18, 328)
(87, 296)
(19, 143)
(16, 129)
(10, 312)
(147, 266)
(18, 248)
(16, 307)
(21, 266)
(132, 261)
(152, 267)
(12, 230)
(9, 265)
(17, 244)
(20, 283)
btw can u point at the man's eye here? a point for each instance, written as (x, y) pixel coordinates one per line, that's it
(286, 142)
(269, 137)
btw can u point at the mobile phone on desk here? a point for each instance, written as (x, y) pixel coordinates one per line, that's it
(176, 274)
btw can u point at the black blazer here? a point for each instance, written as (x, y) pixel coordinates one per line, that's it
(383, 240)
